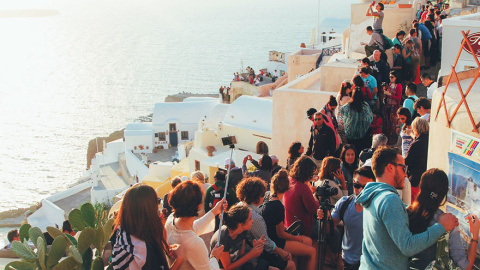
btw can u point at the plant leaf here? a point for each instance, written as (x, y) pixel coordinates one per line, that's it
(99, 239)
(72, 239)
(97, 264)
(107, 230)
(23, 251)
(24, 232)
(85, 240)
(34, 233)
(18, 265)
(76, 219)
(67, 264)
(54, 232)
(57, 251)
(75, 254)
(88, 213)
(42, 253)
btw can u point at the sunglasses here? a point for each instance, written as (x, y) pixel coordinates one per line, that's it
(404, 167)
(318, 119)
(358, 185)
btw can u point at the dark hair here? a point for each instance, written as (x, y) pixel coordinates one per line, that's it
(332, 101)
(251, 190)
(383, 156)
(412, 31)
(410, 42)
(356, 102)
(365, 60)
(382, 7)
(266, 163)
(12, 234)
(426, 76)
(394, 73)
(329, 166)
(66, 227)
(431, 17)
(398, 46)
(303, 169)
(138, 216)
(433, 190)
(369, 28)
(185, 199)
(400, 33)
(405, 112)
(280, 182)
(422, 102)
(365, 171)
(293, 150)
(412, 87)
(344, 152)
(177, 180)
(219, 176)
(262, 148)
(365, 70)
(416, 25)
(358, 81)
(237, 214)
(343, 89)
(311, 112)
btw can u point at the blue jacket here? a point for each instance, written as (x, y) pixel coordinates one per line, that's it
(387, 241)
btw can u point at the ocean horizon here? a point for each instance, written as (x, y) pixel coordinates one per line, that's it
(75, 70)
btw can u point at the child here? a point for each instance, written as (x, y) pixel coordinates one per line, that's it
(376, 123)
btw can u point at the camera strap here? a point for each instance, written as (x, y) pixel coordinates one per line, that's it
(345, 206)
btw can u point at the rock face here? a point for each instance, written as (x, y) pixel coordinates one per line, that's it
(92, 144)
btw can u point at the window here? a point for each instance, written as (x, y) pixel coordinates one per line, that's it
(184, 135)
(197, 165)
(172, 127)
(161, 136)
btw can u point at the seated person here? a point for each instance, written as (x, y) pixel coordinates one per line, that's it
(376, 42)
(12, 236)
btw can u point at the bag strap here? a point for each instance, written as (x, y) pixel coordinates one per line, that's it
(295, 217)
(345, 206)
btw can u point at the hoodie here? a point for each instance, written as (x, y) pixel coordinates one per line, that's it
(387, 241)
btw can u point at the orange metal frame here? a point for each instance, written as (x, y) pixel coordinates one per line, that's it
(464, 96)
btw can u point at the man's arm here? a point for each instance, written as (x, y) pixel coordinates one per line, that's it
(394, 216)
(332, 142)
(310, 146)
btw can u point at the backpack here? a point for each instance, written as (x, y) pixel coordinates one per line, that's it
(217, 195)
(415, 113)
(335, 236)
(387, 43)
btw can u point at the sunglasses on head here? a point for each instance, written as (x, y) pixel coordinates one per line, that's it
(357, 185)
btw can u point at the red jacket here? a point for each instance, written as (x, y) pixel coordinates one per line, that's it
(299, 201)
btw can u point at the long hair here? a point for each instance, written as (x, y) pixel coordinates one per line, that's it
(356, 102)
(329, 166)
(266, 163)
(433, 190)
(347, 147)
(293, 150)
(303, 169)
(358, 81)
(343, 89)
(138, 216)
(405, 112)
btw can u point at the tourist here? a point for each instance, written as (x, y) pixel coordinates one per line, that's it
(381, 68)
(183, 227)
(366, 154)
(430, 24)
(264, 166)
(299, 201)
(398, 39)
(423, 107)
(416, 56)
(431, 85)
(405, 129)
(351, 214)
(12, 235)
(345, 93)
(377, 122)
(399, 65)
(257, 80)
(199, 178)
(376, 42)
(238, 221)
(251, 191)
(393, 97)
(322, 141)
(329, 110)
(331, 171)
(359, 83)
(425, 211)
(275, 166)
(236, 173)
(417, 154)
(138, 236)
(407, 53)
(349, 159)
(371, 84)
(261, 148)
(294, 151)
(411, 93)
(387, 241)
(167, 209)
(425, 37)
(216, 192)
(446, 10)
(378, 16)
(67, 228)
(357, 117)
(273, 213)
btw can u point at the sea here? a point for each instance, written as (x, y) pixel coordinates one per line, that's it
(72, 70)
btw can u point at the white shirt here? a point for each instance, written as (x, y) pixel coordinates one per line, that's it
(426, 117)
(431, 89)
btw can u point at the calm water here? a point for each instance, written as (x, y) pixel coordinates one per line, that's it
(74, 70)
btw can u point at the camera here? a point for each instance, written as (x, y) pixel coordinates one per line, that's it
(230, 140)
(325, 190)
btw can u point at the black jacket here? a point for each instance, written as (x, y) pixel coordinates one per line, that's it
(322, 142)
(416, 159)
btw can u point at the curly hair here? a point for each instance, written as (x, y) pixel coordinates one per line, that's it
(303, 169)
(251, 190)
(185, 199)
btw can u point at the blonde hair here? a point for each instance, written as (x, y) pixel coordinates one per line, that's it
(420, 125)
(198, 176)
